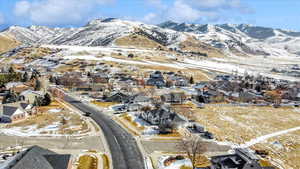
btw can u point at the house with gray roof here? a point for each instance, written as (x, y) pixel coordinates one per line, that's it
(161, 115)
(37, 157)
(156, 79)
(241, 159)
(14, 112)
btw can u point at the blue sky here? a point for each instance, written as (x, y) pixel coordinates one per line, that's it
(270, 13)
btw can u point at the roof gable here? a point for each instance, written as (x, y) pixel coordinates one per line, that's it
(38, 158)
(9, 110)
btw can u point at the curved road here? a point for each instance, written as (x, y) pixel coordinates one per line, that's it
(123, 147)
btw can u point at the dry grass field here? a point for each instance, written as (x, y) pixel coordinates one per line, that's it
(7, 43)
(193, 45)
(104, 104)
(240, 125)
(284, 149)
(136, 41)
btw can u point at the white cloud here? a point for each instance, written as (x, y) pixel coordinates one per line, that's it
(57, 11)
(182, 12)
(22, 8)
(150, 18)
(196, 10)
(208, 3)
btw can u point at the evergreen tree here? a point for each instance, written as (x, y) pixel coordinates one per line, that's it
(37, 101)
(52, 79)
(25, 77)
(191, 80)
(37, 86)
(47, 99)
(33, 76)
(11, 70)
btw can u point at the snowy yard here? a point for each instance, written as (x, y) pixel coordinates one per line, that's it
(177, 164)
(53, 120)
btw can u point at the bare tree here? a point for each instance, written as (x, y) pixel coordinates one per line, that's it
(193, 147)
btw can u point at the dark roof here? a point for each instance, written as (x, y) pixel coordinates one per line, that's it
(24, 105)
(38, 158)
(58, 161)
(9, 110)
(117, 97)
(240, 159)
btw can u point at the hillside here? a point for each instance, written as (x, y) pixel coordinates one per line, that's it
(243, 40)
(7, 43)
(95, 33)
(207, 40)
(113, 32)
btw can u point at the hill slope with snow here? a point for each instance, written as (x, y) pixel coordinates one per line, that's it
(95, 33)
(214, 40)
(243, 39)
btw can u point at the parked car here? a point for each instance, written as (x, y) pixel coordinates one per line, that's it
(87, 114)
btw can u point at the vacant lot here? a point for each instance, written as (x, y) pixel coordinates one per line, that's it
(284, 149)
(240, 125)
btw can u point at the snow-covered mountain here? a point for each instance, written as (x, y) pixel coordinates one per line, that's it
(239, 40)
(243, 39)
(95, 33)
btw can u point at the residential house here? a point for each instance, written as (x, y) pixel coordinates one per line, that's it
(30, 95)
(242, 159)
(209, 96)
(174, 97)
(156, 82)
(37, 157)
(224, 77)
(117, 97)
(203, 86)
(7, 96)
(3, 95)
(156, 79)
(14, 112)
(178, 80)
(140, 99)
(99, 78)
(161, 115)
(134, 107)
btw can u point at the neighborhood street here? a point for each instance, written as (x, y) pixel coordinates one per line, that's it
(124, 149)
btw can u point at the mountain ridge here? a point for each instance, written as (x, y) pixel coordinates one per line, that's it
(231, 39)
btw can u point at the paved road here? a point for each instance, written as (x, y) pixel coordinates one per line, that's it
(124, 150)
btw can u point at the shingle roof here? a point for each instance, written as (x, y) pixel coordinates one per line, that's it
(9, 110)
(38, 158)
(58, 161)
(24, 105)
